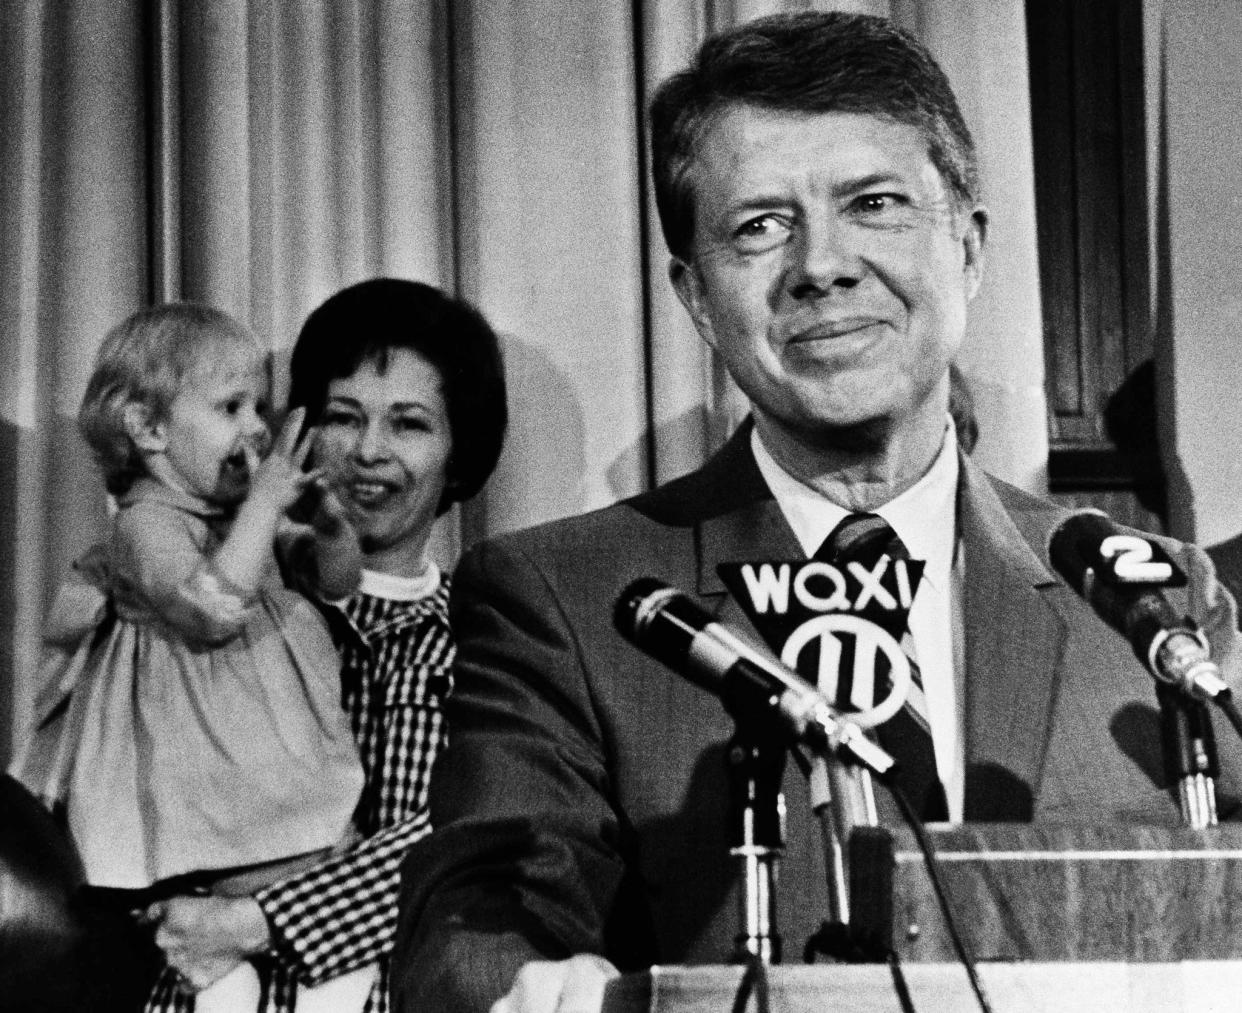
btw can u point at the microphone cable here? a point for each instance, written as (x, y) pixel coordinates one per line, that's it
(754, 980)
(945, 903)
(960, 946)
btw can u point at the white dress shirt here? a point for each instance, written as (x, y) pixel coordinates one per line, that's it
(925, 518)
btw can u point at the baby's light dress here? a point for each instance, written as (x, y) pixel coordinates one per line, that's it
(203, 731)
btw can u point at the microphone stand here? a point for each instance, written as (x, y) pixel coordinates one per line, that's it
(842, 797)
(756, 761)
(1189, 747)
(859, 924)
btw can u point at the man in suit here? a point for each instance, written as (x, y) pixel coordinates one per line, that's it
(818, 192)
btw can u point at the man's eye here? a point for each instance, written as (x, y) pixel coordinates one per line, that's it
(879, 203)
(232, 406)
(760, 233)
(760, 226)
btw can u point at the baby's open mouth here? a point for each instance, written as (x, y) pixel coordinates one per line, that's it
(235, 462)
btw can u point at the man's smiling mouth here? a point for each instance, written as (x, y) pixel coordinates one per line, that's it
(830, 330)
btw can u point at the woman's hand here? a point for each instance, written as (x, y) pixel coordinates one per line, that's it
(203, 938)
(330, 514)
(338, 555)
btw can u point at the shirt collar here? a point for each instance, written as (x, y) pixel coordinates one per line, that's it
(389, 615)
(924, 516)
(394, 588)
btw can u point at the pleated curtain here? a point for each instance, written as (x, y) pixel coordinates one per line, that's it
(259, 156)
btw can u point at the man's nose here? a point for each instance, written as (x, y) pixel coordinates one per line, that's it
(824, 257)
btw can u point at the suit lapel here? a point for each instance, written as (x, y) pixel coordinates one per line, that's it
(1014, 644)
(747, 524)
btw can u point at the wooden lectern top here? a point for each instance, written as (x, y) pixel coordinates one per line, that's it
(1109, 918)
(1208, 987)
(1050, 893)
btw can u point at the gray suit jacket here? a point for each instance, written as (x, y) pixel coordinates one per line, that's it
(582, 803)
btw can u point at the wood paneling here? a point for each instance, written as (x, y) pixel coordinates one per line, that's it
(1086, 69)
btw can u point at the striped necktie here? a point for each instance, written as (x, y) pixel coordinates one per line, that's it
(864, 538)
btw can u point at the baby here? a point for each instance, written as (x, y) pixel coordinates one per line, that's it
(193, 730)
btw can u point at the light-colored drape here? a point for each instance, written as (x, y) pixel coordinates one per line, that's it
(259, 156)
(73, 260)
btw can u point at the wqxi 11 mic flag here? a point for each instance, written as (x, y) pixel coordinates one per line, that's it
(839, 627)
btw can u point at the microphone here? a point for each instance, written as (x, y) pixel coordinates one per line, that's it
(673, 629)
(1120, 574)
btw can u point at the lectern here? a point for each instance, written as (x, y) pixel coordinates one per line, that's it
(1060, 918)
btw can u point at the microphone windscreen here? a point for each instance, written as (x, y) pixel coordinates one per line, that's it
(630, 612)
(1074, 547)
(664, 623)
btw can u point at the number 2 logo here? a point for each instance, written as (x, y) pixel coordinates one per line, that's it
(1129, 558)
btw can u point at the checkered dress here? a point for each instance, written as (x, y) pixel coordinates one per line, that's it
(396, 672)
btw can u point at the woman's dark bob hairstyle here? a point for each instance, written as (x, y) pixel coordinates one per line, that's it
(365, 322)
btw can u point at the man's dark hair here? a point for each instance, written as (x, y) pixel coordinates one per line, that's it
(367, 321)
(812, 62)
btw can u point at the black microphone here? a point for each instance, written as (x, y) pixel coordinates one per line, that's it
(1120, 574)
(673, 629)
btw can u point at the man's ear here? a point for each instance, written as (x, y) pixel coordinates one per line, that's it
(689, 287)
(974, 242)
(147, 434)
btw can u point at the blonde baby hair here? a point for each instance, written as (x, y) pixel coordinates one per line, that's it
(145, 360)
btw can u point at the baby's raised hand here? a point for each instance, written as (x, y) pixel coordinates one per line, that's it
(280, 478)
